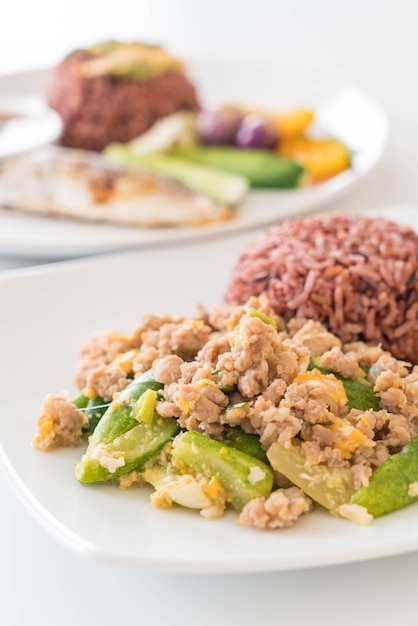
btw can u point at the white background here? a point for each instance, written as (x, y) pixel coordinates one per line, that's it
(35, 33)
(375, 43)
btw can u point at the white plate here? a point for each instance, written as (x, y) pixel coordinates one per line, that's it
(342, 110)
(32, 125)
(49, 312)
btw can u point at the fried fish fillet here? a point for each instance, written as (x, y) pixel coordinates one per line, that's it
(86, 186)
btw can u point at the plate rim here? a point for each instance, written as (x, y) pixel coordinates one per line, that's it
(76, 544)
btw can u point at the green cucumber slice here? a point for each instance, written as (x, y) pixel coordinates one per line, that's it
(243, 477)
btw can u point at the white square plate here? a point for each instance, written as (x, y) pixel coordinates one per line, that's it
(45, 315)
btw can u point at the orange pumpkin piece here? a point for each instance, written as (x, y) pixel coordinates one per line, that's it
(293, 123)
(322, 158)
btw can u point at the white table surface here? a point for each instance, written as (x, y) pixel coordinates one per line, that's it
(41, 582)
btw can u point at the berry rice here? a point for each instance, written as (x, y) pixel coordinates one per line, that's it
(357, 275)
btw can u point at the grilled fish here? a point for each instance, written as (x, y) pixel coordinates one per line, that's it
(87, 186)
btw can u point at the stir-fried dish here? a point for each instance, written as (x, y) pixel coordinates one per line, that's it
(236, 408)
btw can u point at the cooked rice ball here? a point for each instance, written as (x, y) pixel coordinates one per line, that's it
(357, 275)
(114, 92)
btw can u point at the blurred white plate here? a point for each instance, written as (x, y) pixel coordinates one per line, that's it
(49, 312)
(342, 110)
(26, 123)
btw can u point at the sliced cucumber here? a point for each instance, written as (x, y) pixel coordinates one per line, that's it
(134, 447)
(118, 417)
(243, 477)
(119, 443)
(393, 485)
(227, 188)
(238, 439)
(329, 486)
(262, 168)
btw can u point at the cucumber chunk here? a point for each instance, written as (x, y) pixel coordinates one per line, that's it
(120, 442)
(243, 477)
(238, 439)
(134, 447)
(328, 486)
(118, 417)
(393, 485)
(227, 188)
(262, 168)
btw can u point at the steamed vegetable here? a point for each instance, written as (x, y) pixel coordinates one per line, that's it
(293, 123)
(243, 477)
(393, 485)
(219, 126)
(256, 131)
(360, 394)
(174, 487)
(126, 437)
(329, 486)
(262, 168)
(118, 418)
(322, 158)
(238, 439)
(104, 462)
(228, 188)
(177, 129)
(94, 411)
(81, 401)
